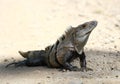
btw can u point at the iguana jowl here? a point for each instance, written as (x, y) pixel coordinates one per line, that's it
(59, 55)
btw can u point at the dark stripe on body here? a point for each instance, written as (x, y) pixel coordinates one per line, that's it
(63, 37)
(49, 64)
(52, 54)
(57, 59)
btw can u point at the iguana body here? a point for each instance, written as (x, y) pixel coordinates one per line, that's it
(66, 49)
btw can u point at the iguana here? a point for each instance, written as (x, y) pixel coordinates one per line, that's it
(60, 55)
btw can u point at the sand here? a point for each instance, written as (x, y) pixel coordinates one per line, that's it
(34, 24)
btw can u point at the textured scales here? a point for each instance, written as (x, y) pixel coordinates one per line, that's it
(68, 47)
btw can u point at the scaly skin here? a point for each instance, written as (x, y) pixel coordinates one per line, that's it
(66, 49)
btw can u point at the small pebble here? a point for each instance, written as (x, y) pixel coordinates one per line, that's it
(52, 73)
(116, 76)
(12, 58)
(112, 68)
(39, 83)
(104, 55)
(118, 51)
(116, 25)
(112, 41)
(115, 46)
(5, 60)
(97, 64)
(105, 43)
(48, 76)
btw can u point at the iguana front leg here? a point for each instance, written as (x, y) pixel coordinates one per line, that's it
(66, 61)
(82, 58)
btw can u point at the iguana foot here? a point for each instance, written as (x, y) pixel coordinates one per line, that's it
(75, 68)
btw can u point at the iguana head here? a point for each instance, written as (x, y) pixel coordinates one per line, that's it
(85, 28)
(82, 33)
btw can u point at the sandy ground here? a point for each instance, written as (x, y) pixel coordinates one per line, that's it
(35, 24)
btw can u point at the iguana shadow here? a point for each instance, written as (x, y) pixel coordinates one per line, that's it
(95, 59)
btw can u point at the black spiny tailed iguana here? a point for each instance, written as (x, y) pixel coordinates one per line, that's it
(59, 55)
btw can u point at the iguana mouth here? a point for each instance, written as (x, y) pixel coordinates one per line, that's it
(88, 32)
